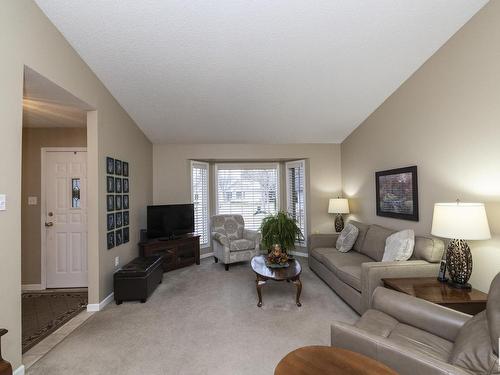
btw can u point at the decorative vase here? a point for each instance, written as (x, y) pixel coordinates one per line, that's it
(459, 263)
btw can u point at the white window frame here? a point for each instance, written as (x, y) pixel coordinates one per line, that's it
(256, 165)
(295, 164)
(207, 167)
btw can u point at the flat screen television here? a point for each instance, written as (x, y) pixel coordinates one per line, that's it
(172, 220)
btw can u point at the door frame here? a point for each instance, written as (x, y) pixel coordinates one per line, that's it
(43, 238)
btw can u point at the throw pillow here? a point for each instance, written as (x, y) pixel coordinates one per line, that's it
(472, 349)
(347, 238)
(399, 246)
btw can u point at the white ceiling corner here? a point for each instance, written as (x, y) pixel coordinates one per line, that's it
(240, 71)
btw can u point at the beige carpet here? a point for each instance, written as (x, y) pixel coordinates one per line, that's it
(201, 320)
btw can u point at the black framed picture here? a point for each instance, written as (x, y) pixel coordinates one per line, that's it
(118, 219)
(118, 167)
(111, 240)
(126, 235)
(125, 168)
(125, 202)
(118, 185)
(118, 202)
(118, 237)
(110, 184)
(126, 219)
(111, 221)
(125, 185)
(110, 202)
(397, 193)
(110, 165)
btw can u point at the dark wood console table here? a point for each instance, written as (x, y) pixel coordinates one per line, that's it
(429, 288)
(177, 253)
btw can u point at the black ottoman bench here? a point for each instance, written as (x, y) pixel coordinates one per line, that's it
(138, 279)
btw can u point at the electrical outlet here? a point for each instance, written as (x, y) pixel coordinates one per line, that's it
(32, 201)
(117, 261)
(3, 202)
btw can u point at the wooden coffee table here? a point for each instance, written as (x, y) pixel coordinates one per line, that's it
(322, 360)
(429, 288)
(264, 273)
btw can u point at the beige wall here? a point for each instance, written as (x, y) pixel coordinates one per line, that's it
(28, 38)
(446, 120)
(33, 141)
(171, 171)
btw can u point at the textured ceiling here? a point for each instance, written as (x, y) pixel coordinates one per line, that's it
(242, 71)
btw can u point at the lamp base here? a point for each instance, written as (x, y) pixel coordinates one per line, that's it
(459, 263)
(339, 223)
(466, 286)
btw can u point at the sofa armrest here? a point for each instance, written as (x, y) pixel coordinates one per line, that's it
(323, 240)
(403, 360)
(428, 316)
(372, 274)
(220, 238)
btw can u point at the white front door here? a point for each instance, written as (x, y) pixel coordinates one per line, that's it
(65, 218)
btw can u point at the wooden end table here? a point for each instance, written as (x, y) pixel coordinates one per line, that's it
(264, 273)
(430, 289)
(321, 360)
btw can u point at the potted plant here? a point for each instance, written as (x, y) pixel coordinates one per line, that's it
(280, 229)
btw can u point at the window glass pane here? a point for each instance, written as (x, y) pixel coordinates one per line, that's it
(250, 190)
(296, 195)
(199, 196)
(75, 193)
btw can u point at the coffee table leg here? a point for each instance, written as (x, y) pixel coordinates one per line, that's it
(298, 284)
(258, 284)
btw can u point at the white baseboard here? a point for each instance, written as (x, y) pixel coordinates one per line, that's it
(19, 370)
(299, 254)
(32, 287)
(207, 255)
(99, 306)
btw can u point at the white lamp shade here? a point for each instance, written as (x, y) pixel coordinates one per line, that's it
(338, 206)
(464, 221)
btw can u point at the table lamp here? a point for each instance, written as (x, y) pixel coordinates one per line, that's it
(460, 222)
(338, 206)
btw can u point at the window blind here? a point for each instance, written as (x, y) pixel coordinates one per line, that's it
(199, 196)
(296, 194)
(251, 190)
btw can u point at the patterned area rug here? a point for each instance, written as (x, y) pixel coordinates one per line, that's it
(45, 311)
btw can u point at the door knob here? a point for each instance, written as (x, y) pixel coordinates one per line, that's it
(49, 224)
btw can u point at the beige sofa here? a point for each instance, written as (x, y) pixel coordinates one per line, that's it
(355, 275)
(417, 337)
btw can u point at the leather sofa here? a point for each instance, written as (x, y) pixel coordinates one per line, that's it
(417, 337)
(355, 275)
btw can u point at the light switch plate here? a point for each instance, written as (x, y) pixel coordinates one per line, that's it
(117, 261)
(32, 201)
(3, 202)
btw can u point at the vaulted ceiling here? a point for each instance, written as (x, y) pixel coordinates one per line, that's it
(243, 71)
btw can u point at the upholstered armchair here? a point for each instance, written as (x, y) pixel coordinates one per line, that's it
(231, 241)
(414, 336)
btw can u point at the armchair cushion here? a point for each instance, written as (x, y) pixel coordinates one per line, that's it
(242, 244)
(231, 226)
(473, 349)
(223, 240)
